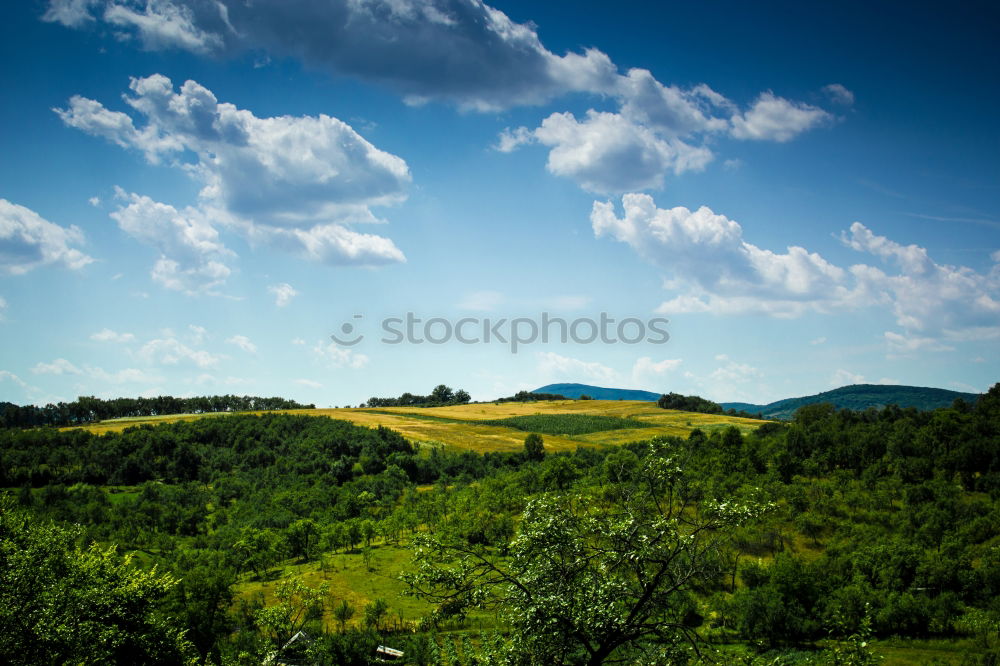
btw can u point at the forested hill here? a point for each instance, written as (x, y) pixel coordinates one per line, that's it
(87, 408)
(859, 397)
(574, 391)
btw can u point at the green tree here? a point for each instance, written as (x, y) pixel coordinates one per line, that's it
(60, 603)
(375, 612)
(588, 581)
(303, 537)
(298, 604)
(534, 446)
(342, 613)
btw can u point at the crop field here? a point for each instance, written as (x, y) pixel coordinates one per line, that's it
(567, 424)
(486, 427)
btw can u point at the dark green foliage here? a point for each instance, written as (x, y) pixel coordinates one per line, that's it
(88, 408)
(534, 447)
(887, 524)
(441, 395)
(530, 396)
(566, 424)
(61, 602)
(688, 403)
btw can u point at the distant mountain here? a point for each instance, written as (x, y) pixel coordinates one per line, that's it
(859, 396)
(597, 393)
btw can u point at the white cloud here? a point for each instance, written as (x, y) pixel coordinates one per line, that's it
(484, 301)
(107, 335)
(6, 375)
(191, 254)
(197, 334)
(283, 293)
(170, 351)
(126, 375)
(161, 24)
(60, 366)
(647, 372)
(94, 201)
(3, 306)
(563, 368)
(721, 273)
(839, 94)
(510, 140)
(730, 380)
(340, 357)
(28, 241)
(732, 372)
(70, 13)
(470, 54)
(774, 118)
(290, 182)
(243, 342)
(818, 341)
(708, 251)
(298, 341)
(606, 152)
(308, 383)
(908, 344)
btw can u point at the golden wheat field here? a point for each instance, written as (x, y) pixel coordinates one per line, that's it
(461, 426)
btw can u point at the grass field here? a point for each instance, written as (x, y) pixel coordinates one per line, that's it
(479, 427)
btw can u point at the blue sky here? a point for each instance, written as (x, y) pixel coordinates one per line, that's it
(194, 195)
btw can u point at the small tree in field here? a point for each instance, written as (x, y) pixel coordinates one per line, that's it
(595, 579)
(534, 447)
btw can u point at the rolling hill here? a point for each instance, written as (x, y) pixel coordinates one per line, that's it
(859, 396)
(574, 391)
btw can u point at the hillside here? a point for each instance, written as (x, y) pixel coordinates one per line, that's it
(858, 397)
(597, 392)
(486, 427)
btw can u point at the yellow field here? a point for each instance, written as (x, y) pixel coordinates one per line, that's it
(461, 429)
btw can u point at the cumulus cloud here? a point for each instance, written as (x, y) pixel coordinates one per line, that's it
(462, 51)
(289, 182)
(107, 335)
(468, 53)
(839, 94)
(720, 272)
(283, 293)
(192, 256)
(902, 345)
(243, 342)
(162, 24)
(708, 250)
(774, 118)
(171, 351)
(70, 13)
(608, 153)
(564, 368)
(308, 383)
(657, 130)
(27, 241)
(60, 366)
